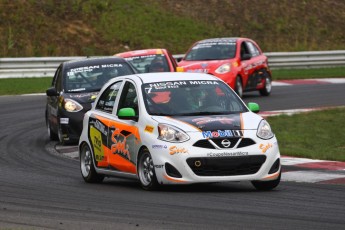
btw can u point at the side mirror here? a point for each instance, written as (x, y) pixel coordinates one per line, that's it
(52, 92)
(127, 114)
(254, 107)
(246, 57)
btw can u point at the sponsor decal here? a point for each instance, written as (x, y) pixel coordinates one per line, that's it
(101, 127)
(159, 146)
(149, 129)
(264, 147)
(64, 121)
(227, 154)
(71, 72)
(177, 84)
(120, 146)
(198, 70)
(175, 150)
(205, 120)
(159, 166)
(222, 133)
(96, 139)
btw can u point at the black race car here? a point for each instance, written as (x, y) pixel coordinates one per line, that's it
(74, 88)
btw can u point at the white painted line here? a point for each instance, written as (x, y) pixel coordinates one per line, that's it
(275, 83)
(333, 80)
(309, 176)
(296, 160)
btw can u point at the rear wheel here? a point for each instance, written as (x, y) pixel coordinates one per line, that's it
(238, 86)
(267, 185)
(146, 171)
(266, 91)
(86, 166)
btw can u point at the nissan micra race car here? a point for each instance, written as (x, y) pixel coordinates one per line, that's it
(177, 128)
(237, 61)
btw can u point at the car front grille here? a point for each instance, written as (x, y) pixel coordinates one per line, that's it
(226, 166)
(210, 143)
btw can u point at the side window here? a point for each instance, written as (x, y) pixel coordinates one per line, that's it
(107, 99)
(56, 82)
(129, 98)
(244, 49)
(253, 49)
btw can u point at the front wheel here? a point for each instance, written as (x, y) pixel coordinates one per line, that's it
(86, 166)
(146, 171)
(52, 136)
(267, 185)
(266, 91)
(238, 86)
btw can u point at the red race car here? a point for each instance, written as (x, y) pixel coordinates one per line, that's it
(237, 61)
(150, 60)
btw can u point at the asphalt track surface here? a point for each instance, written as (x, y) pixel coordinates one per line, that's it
(40, 189)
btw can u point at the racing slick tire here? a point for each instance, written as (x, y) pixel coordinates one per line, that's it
(266, 91)
(239, 87)
(267, 185)
(146, 171)
(86, 166)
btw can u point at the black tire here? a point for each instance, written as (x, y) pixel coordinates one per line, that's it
(146, 171)
(52, 136)
(239, 86)
(267, 185)
(266, 91)
(87, 168)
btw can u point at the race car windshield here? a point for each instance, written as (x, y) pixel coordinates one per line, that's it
(91, 78)
(212, 51)
(190, 98)
(149, 63)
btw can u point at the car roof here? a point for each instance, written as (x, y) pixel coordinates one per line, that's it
(94, 61)
(141, 52)
(225, 39)
(169, 76)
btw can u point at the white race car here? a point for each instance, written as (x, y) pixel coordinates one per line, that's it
(177, 128)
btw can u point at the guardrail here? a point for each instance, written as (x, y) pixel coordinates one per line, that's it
(46, 66)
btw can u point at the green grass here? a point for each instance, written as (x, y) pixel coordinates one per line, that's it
(315, 135)
(15, 86)
(289, 74)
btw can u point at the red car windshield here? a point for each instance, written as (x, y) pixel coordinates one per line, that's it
(149, 63)
(212, 51)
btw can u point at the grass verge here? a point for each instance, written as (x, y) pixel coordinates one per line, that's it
(16, 86)
(315, 135)
(290, 74)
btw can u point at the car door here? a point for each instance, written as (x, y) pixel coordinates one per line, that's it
(256, 63)
(99, 124)
(53, 96)
(124, 139)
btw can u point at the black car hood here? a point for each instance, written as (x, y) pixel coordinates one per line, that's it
(82, 98)
(204, 123)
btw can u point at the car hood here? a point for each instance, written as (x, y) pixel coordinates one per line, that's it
(82, 98)
(202, 66)
(240, 121)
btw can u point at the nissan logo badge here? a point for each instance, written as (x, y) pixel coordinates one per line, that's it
(226, 143)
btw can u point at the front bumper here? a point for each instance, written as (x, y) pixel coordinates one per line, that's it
(177, 163)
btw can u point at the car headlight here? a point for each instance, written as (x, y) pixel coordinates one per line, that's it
(72, 106)
(223, 69)
(264, 130)
(171, 134)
